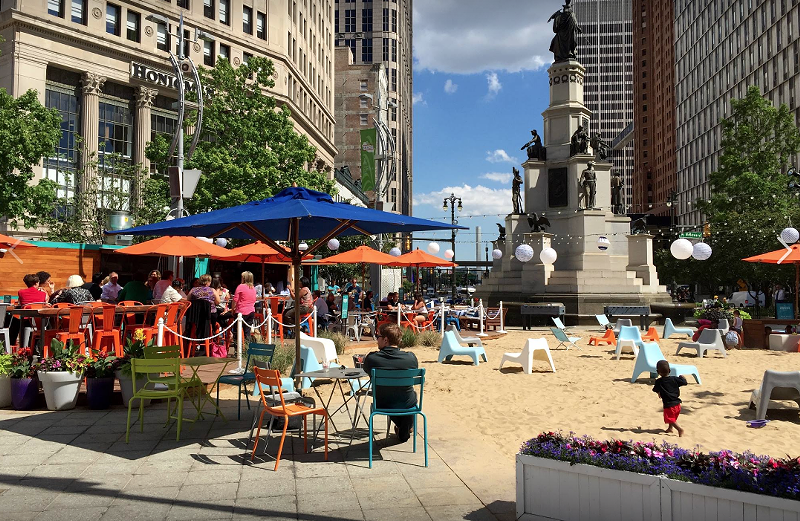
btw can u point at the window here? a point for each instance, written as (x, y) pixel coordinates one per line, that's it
(208, 8)
(394, 80)
(183, 3)
(363, 85)
(55, 8)
(336, 22)
(113, 15)
(225, 51)
(186, 41)
(352, 45)
(386, 49)
(366, 20)
(246, 58)
(363, 103)
(349, 20)
(394, 20)
(115, 129)
(224, 11)
(61, 166)
(162, 37)
(162, 122)
(394, 50)
(134, 22)
(208, 53)
(261, 25)
(247, 19)
(366, 50)
(78, 11)
(362, 119)
(385, 19)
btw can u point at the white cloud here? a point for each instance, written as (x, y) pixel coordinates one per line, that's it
(418, 98)
(476, 200)
(494, 84)
(471, 36)
(500, 156)
(450, 87)
(500, 177)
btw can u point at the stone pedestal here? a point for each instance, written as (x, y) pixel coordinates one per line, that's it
(640, 259)
(536, 274)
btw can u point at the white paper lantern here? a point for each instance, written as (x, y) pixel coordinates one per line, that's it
(701, 251)
(205, 239)
(395, 252)
(449, 254)
(302, 246)
(433, 248)
(523, 253)
(548, 256)
(497, 254)
(333, 244)
(222, 242)
(731, 338)
(603, 243)
(681, 249)
(790, 235)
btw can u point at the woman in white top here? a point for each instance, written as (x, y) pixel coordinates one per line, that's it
(172, 293)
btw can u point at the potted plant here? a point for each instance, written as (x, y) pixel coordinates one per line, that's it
(5, 380)
(100, 380)
(61, 375)
(24, 384)
(134, 348)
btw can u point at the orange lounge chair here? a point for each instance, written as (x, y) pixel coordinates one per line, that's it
(651, 335)
(608, 338)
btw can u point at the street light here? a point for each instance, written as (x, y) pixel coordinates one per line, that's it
(672, 199)
(452, 202)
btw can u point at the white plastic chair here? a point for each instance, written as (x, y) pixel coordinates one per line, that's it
(709, 340)
(468, 340)
(324, 349)
(534, 348)
(670, 329)
(776, 385)
(723, 325)
(622, 322)
(629, 339)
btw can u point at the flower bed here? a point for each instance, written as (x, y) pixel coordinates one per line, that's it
(725, 469)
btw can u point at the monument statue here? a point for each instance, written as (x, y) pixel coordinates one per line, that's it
(565, 27)
(538, 222)
(639, 226)
(516, 186)
(600, 147)
(535, 148)
(589, 185)
(616, 194)
(579, 143)
(502, 231)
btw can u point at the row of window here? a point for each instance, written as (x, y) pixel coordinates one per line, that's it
(389, 20)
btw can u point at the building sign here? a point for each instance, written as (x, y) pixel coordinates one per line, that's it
(147, 74)
(691, 235)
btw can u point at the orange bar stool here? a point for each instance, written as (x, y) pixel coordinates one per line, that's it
(105, 332)
(274, 305)
(308, 319)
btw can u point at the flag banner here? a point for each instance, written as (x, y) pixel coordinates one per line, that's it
(368, 138)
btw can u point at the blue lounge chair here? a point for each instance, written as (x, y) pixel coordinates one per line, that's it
(670, 329)
(450, 347)
(603, 321)
(649, 356)
(263, 351)
(400, 378)
(563, 339)
(560, 325)
(629, 338)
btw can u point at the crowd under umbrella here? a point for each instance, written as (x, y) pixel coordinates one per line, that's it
(293, 215)
(362, 255)
(256, 252)
(421, 259)
(781, 257)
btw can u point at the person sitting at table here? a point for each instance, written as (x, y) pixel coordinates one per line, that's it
(162, 285)
(367, 305)
(173, 293)
(152, 279)
(136, 290)
(393, 301)
(322, 309)
(330, 302)
(222, 295)
(205, 292)
(74, 293)
(30, 295)
(244, 301)
(93, 287)
(390, 356)
(111, 289)
(420, 308)
(46, 283)
(306, 299)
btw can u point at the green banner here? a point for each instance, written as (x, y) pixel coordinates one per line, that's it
(368, 138)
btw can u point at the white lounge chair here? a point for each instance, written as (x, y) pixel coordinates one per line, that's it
(621, 322)
(709, 340)
(468, 340)
(670, 329)
(776, 385)
(723, 326)
(324, 349)
(534, 348)
(603, 321)
(565, 340)
(629, 339)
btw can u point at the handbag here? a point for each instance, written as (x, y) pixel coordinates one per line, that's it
(218, 350)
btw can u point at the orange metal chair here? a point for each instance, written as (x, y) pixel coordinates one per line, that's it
(129, 319)
(651, 335)
(272, 379)
(608, 338)
(38, 325)
(274, 306)
(150, 324)
(105, 330)
(72, 331)
(308, 319)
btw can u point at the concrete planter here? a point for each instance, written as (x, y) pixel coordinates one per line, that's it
(60, 389)
(557, 490)
(5, 391)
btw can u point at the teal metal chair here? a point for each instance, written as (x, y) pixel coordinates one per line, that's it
(450, 348)
(559, 324)
(261, 351)
(399, 378)
(563, 339)
(647, 360)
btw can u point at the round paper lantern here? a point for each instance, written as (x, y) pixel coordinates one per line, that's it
(790, 235)
(333, 244)
(603, 243)
(731, 338)
(681, 249)
(449, 254)
(302, 246)
(222, 242)
(433, 248)
(701, 251)
(497, 254)
(548, 256)
(395, 252)
(523, 253)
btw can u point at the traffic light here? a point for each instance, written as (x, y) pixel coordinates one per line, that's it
(707, 230)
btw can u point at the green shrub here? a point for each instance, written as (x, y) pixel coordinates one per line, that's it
(5, 364)
(283, 358)
(429, 339)
(409, 338)
(339, 340)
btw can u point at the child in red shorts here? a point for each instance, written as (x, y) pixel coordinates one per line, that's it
(668, 388)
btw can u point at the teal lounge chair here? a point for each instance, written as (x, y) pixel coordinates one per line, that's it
(603, 321)
(649, 355)
(563, 339)
(400, 378)
(629, 338)
(450, 347)
(670, 329)
(559, 324)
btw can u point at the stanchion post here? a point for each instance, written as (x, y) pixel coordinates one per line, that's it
(160, 339)
(398, 314)
(269, 325)
(442, 317)
(239, 341)
(480, 314)
(313, 331)
(502, 325)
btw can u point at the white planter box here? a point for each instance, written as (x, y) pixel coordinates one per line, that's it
(551, 489)
(60, 389)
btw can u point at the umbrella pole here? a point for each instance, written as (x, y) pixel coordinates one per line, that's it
(299, 368)
(796, 286)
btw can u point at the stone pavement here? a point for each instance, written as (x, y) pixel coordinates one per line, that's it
(76, 465)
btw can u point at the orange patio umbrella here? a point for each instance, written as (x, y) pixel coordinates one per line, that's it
(362, 255)
(177, 246)
(11, 242)
(783, 256)
(421, 259)
(255, 252)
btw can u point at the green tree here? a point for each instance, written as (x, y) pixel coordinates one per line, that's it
(248, 147)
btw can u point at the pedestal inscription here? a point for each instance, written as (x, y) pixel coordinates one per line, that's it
(557, 187)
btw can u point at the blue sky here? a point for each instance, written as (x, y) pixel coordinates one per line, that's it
(480, 86)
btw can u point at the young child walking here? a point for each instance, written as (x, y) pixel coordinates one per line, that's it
(668, 388)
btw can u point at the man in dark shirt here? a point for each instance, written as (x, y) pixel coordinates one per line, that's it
(391, 357)
(94, 286)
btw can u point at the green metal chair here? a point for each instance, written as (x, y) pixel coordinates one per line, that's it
(399, 378)
(255, 351)
(145, 367)
(170, 353)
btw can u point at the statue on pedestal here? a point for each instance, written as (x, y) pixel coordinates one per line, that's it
(616, 194)
(502, 231)
(538, 222)
(535, 148)
(516, 197)
(600, 147)
(565, 25)
(589, 185)
(579, 143)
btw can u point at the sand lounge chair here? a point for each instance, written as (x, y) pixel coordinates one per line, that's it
(648, 358)
(468, 340)
(776, 385)
(534, 348)
(608, 339)
(450, 347)
(710, 340)
(603, 321)
(621, 322)
(629, 339)
(670, 329)
(563, 339)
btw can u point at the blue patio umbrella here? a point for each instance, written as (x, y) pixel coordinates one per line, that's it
(293, 215)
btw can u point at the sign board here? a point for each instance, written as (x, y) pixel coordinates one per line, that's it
(691, 235)
(784, 311)
(345, 307)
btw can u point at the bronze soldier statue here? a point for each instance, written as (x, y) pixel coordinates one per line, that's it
(589, 185)
(516, 187)
(535, 148)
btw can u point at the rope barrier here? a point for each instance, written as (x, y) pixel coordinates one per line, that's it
(167, 328)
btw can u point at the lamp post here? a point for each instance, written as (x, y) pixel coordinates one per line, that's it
(672, 199)
(451, 201)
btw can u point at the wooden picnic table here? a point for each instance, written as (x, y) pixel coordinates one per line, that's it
(52, 312)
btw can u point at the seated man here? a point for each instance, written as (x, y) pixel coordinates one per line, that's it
(391, 357)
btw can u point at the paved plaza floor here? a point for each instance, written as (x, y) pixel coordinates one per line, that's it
(76, 465)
